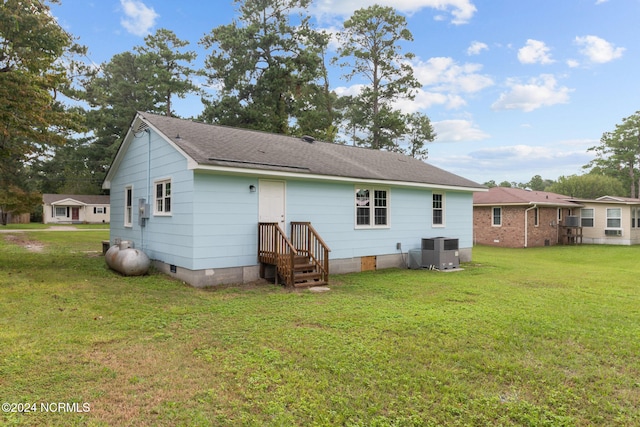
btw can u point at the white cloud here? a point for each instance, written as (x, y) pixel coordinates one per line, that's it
(542, 91)
(461, 10)
(424, 100)
(534, 52)
(443, 74)
(476, 47)
(443, 81)
(139, 18)
(458, 130)
(352, 90)
(514, 163)
(572, 63)
(598, 50)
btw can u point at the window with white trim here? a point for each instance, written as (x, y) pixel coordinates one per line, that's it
(586, 217)
(128, 203)
(163, 197)
(61, 211)
(496, 215)
(614, 218)
(635, 213)
(437, 210)
(372, 207)
(536, 217)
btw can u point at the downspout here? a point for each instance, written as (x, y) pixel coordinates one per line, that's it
(143, 222)
(526, 224)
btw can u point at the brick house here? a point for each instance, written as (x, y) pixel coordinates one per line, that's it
(517, 218)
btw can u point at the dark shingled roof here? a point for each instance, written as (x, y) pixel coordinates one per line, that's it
(213, 145)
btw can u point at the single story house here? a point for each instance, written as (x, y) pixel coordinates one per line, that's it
(212, 204)
(517, 218)
(75, 209)
(610, 220)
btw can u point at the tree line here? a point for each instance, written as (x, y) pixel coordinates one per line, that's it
(62, 119)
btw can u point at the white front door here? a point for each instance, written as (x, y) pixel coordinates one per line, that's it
(271, 202)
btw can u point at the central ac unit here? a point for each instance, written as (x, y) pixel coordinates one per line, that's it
(439, 253)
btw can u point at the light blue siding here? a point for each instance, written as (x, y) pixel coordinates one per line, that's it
(331, 209)
(225, 221)
(165, 238)
(214, 217)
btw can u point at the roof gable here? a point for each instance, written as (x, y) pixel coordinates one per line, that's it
(618, 199)
(209, 146)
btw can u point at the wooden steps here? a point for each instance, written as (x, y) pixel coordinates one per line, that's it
(302, 261)
(305, 273)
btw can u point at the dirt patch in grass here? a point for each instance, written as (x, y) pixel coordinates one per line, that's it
(62, 228)
(23, 241)
(149, 382)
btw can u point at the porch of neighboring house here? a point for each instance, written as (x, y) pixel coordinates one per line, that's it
(570, 231)
(299, 261)
(65, 213)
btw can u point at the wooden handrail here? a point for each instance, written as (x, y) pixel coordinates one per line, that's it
(308, 242)
(274, 248)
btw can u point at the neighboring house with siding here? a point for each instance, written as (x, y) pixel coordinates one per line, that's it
(75, 209)
(192, 196)
(610, 220)
(517, 218)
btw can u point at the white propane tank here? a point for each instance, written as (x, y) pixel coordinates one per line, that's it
(127, 261)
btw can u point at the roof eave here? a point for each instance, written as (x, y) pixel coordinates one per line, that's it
(546, 204)
(317, 177)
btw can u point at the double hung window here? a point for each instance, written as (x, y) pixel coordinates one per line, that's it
(586, 217)
(128, 206)
(496, 220)
(163, 197)
(437, 210)
(372, 207)
(614, 218)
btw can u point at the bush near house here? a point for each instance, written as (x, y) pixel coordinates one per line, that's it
(529, 337)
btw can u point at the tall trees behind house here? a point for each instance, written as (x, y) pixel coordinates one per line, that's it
(618, 154)
(587, 186)
(418, 132)
(269, 72)
(146, 79)
(370, 50)
(37, 59)
(170, 69)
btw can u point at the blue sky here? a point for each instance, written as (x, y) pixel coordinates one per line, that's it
(514, 88)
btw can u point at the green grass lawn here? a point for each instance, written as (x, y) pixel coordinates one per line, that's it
(40, 226)
(530, 337)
